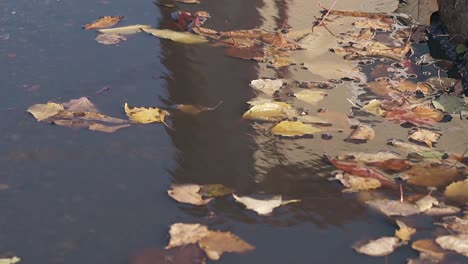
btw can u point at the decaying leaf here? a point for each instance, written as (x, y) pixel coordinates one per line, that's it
(267, 86)
(379, 247)
(262, 207)
(374, 107)
(355, 183)
(214, 243)
(457, 191)
(405, 232)
(215, 190)
(43, 111)
(187, 193)
(429, 247)
(127, 30)
(294, 129)
(424, 152)
(188, 254)
(82, 104)
(450, 104)
(143, 115)
(457, 243)
(394, 165)
(310, 96)
(393, 207)
(430, 174)
(103, 22)
(380, 156)
(426, 203)
(425, 136)
(182, 37)
(361, 134)
(11, 260)
(269, 111)
(110, 39)
(457, 225)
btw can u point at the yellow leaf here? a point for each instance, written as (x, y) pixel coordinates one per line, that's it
(44, 111)
(405, 232)
(294, 129)
(127, 30)
(182, 37)
(145, 115)
(269, 111)
(103, 22)
(458, 191)
(309, 96)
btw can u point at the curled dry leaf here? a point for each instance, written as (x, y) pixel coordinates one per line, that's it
(187, 193)
(43, 111)
(294, 129)
(430, 174)
(458, 191)
(374, 107)
(143, 115)
(355, 183)
(361, 134)
(110, 39)
(457, 243)
(214, 243)
(182, 37)
(429, 247)
(262, 207)
(269, 111)
(393, 207)
(425, 136)
(103, 22)
(379, 247)
(127, 30)
(405, 232)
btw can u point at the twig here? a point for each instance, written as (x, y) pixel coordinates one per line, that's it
(230, 32)
(284, 23)
(103, 90)
(329, 10)
(458, 160)
(401, 192)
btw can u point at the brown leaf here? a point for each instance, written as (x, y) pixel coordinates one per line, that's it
(361, 134)
(109, 39)
(379, 247)
(185, 234)
(430, 174)
(430, 247)
(189, 254)
(248, 53)
(196, 109)
(458, 225)
(395, 165)
(80, 105)
(187, 193)
(425, 136)
(457, 243)
(457, 191)
(393, 207)
(216, 243)
(189, 1)
(355, 183)
(103, 22)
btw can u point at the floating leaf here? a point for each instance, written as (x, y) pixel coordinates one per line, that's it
(426, 203)
(310, 96)
(188, 254)
(371, 158)
(457, 225)
(103, 22)
(127, 30)
(81, 104)
(361, 134)
(457, 243)
(262, 207)
(214, 243)
(43, 111)
(109, 39)
(294, 129)
(187, 193)
(196, 109)
(143, 115)
(450, 104)
(189, 1)
(373, 107)
(405, 232)
(215, 190)
(458, 191)
(394, 165)
(91, 125)
(247, 53)
(355, 183)
(267, 86)
(393, 207)
(431, 174)
(270, 111)
(429, 247)
(442, 210)
(313, 120)
(11, 260)
(379, 247)
(425, 136)
(182, 37)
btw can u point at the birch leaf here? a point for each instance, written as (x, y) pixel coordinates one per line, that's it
(11, 260)
(405, 232)
(269, 111)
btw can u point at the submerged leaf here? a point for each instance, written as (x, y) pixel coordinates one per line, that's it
(127, 30)
(269, 111)
(310, 96)
(361, 134)
(262, 207)
(43, 111)
(182, 37)
(405, 232)
(457, 243)
(103, 22)
(457, 191)
(188, 254)
(429, 247)
(355, 183)
(294, 129)
(430, 174)
(109, 39)
(393, 207)
(144, 115)
(379, 247)
(216, 243)
(187, 193)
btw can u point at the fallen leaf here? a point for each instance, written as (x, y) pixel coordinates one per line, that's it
(405, 232)
(380, 156)
(426, 203)
(355, 183)
(103, 22)
(361, 134)
(89, 116)
(196, 109)
(110, 39)
(106, 129)
(313, 120)
(189, 1)
(187, 193)
(373, 107)
(457, 225)
(379, 247)
(458, 191)
(43, 111)
(294, 129)
(310, 96)
(429, 247)
(81, 104)
(269, 111)
(450, 104)
(262, 207)
(393, 207)
(247, 53)
(394, 165)
(91, 125)
(11, 260)
(216, 243)
(143, 115)
(457, 243)
(424, 152)
(430, 174)
(188, 254)
(267, 86)
(442, 210)
(182, 37)
(425, 136)
(127, 30)
(215, 190)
